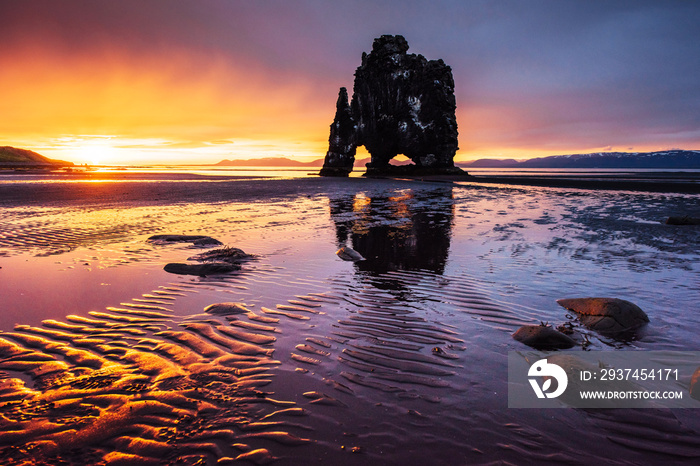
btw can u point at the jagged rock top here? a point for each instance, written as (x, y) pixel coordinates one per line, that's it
(386, 48)
(402, 104)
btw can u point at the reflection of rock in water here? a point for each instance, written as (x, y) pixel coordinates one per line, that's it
(406, 231)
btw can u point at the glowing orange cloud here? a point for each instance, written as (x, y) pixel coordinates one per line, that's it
(110, 105)
(176, 100)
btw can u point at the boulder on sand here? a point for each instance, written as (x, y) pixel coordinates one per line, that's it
(225, 254)
(683, 221)
(209, 268)
(543, 337)
(216, 262)
(197, 240)
(226, 309)
(349, 254)
(606, 315)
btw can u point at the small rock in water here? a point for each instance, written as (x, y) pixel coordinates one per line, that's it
(226, 309)
(543, 337)
(226, 254)
(349, 254)
(606, 315)
(683, 221)
(323, 399)
(259, 456)
(197, 240)
(566, 328)
(210, 268)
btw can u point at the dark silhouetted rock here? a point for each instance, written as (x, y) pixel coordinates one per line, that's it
(606, 315)
(209, 268)
(542, 337)
(214, 262)
(197, 240)
(683, 221)
(402, 104)
(342, 143)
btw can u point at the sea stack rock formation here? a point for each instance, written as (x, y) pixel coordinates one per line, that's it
(342, 141)
(402, 104)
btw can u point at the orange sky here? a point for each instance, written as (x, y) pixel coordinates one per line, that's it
(182, 109)
(152, 108)
(195, 82)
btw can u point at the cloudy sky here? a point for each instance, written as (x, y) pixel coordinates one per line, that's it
(200, 80)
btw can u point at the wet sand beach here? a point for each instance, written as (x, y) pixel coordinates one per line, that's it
(646, 181)
(106, 358)
(687, 182)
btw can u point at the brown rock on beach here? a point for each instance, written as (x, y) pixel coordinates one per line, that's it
(606, 315)
(197, 240)
(695, 384)
(542, 337)
(209, 268)
(225, 254)
(349, 254)
(226, 309)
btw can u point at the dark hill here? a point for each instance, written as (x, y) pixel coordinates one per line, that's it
(14, 157)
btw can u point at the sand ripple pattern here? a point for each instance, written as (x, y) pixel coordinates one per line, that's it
(394, 350)
(393, 339)
(55, 231)
(135, 384)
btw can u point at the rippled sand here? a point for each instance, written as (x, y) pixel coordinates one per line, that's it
(400, 359)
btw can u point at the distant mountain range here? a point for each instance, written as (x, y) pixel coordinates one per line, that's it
(279, 162)
(681, 159)
(662, 159)
(269, 162)
(14, 157)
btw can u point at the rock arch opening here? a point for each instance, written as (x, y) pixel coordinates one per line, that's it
(401, 104)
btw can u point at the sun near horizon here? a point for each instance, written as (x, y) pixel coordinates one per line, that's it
(145, 110)
(170, 83)
(107, 150)
(100, 150)
(125, 112)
